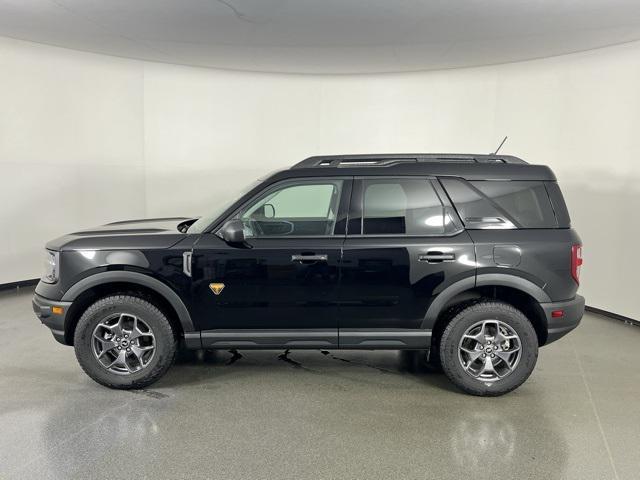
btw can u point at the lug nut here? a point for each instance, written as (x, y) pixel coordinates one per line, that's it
(119, 348)
(493, 355)
(128, 349)
(484, 355)
(126, 336)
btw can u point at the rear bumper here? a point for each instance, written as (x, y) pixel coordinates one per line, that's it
(560, 326)
(42, 307)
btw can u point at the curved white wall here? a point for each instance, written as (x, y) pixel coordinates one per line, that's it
(71, 148)
(200, 134)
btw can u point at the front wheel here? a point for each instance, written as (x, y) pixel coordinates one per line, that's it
(124, 342)
(489, 349)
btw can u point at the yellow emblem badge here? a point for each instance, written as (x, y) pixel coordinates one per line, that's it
(216, 288)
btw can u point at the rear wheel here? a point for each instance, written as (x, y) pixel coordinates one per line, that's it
(489, 348)
(124, 341)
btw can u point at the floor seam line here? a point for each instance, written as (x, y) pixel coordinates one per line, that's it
(595, 412)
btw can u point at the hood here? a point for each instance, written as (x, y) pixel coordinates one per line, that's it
(129, 234)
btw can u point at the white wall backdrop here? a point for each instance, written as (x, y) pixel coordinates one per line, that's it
(71, 148)
(145, 139)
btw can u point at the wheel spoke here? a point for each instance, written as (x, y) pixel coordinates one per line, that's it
(488, 367)
(106, 347)
(135, 331)
(473, 354)
(118, 361)
(478, 337)
(139, 353)
(127, 366)
(505, 356)
(116, 328)
(499, 338)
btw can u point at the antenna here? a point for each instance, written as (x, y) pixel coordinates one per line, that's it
(500, 146)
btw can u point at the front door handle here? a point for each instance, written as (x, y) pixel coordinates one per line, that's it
(309, 258)
(437, 257)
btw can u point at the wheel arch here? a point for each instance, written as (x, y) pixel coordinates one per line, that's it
(518, 292)
(88, 290)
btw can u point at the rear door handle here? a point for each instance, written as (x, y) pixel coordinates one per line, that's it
(437, 257)
(309, 258)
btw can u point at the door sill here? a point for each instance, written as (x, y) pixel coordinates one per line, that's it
(331, 338)
(384, 338)
(266, 339)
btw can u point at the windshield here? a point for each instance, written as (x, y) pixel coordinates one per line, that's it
(209, 218)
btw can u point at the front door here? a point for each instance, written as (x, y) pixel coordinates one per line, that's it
(281, 287)
(404, 246)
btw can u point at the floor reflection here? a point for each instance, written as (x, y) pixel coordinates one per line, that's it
(400, 420)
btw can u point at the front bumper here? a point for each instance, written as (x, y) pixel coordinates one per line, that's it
(559, 327)
(55, 321)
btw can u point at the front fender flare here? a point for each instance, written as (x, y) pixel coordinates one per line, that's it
(134, 277)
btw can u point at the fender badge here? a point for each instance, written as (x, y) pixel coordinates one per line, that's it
(216, 288)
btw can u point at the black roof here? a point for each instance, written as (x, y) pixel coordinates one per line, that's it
(469, 166)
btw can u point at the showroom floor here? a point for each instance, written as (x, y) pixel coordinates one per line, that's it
(318, 414)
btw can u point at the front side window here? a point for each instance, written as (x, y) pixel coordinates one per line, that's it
(305, 208)
(402, 206)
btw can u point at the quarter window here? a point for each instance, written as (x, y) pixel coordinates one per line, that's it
(402, 206)
(296, 209)
(501, 204)
(527, 202)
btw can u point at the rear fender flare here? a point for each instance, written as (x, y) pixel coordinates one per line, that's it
(489, 279)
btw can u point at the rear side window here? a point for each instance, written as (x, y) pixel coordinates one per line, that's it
(402, 206)
(500, 204)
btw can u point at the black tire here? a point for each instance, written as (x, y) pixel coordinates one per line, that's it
(465, 319)
(164, 337)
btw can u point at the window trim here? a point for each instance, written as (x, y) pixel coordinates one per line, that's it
(356, 210)
(343, 205)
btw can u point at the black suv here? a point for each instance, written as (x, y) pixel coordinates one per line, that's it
(469, 259)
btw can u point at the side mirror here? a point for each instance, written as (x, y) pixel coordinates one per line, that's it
(269, 210)
(233, 232)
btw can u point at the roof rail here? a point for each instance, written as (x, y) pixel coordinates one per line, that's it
(385, 160)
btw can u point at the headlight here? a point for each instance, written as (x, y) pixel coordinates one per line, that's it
(51, 266)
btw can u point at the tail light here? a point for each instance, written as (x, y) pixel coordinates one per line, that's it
(576, 261)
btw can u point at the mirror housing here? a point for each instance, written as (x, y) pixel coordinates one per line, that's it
(233, 232)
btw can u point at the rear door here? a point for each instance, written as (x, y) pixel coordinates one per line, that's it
(404, 245)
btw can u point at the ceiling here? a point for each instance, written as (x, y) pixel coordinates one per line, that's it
(325, 36)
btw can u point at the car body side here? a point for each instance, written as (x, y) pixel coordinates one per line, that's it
(528, 268)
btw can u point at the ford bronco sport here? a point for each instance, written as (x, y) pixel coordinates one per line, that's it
(469, 259)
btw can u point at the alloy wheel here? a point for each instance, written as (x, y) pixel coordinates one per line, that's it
(123, 343)
(489, 350)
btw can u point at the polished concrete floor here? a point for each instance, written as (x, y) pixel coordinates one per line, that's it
(318, 415)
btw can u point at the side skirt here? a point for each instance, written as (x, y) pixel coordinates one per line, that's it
(349, 338)
(384, 338)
